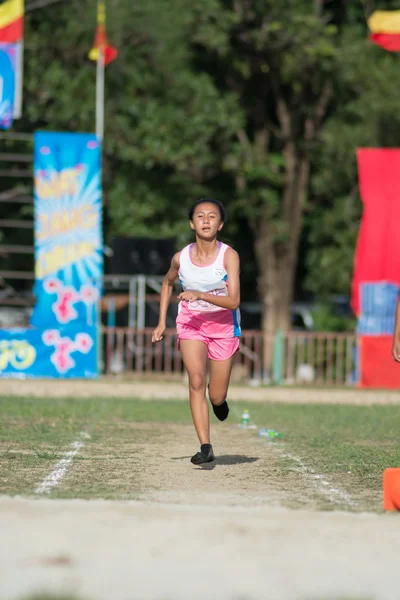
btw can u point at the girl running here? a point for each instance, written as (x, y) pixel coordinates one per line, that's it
(208, 321)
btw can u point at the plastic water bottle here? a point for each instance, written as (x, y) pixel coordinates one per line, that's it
(270, 434)
(245, 420)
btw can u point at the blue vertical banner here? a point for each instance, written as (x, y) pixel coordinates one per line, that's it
(68, 228)
(8, 62)
(68, 248)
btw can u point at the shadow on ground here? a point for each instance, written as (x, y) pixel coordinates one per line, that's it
(226, 460)
(235, 459)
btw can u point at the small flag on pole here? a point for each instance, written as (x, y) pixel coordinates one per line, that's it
(384, 26)
(103, 54)
(101, 41)
(11, 21)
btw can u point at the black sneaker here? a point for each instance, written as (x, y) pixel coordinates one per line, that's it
(206, 455)
(221, 411)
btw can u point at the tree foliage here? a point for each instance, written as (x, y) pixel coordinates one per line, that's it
(259, 103)
(364, 115)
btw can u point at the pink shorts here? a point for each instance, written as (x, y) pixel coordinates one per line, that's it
(218, 348)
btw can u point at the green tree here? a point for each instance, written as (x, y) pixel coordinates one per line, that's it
(245, 99)
(280, 60)
(366, 116)
(302, 78)
(161, 117)
(265, 74)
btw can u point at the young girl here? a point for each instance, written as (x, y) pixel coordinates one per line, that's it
(208, 321)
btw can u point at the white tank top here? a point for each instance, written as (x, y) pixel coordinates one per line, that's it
(211, 279)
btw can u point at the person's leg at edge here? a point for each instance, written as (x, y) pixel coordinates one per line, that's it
(194, 354)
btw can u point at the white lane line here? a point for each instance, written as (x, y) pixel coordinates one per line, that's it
(54, 478)
(322, 485)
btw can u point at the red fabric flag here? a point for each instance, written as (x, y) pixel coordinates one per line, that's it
(387, 41)
(377, 256)
(101, 41)
(11, 21)
(377, 367)
(384, 26)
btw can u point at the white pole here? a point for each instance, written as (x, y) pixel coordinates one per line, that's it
(100, 95)
(19, 80)
(141, 319)
(132, 301)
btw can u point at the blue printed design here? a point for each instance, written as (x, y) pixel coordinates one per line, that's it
(378, 307)
(378, 298)
(54, 353)
(8, 54)
(376, 325)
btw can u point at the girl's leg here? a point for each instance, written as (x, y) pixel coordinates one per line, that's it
(220, 372)
(194, 354)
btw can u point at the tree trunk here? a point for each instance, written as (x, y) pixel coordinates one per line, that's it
(277, 260)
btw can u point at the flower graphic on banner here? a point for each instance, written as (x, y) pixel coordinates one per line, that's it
(67, 296)
(64, 347)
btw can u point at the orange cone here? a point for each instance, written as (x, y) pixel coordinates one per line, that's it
(391, 489)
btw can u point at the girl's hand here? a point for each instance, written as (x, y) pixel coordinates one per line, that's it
(190, 296)
(158, 333)
(396, 350)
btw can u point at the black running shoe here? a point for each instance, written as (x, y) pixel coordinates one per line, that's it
(206, 455)
(221, 411)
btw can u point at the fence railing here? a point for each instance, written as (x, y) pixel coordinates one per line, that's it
(291, 358)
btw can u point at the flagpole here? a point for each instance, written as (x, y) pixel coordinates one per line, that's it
(100, 134)
(100, 95)
(19, 80)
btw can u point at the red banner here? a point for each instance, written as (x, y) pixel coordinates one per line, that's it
(377, 367)
(377, 256)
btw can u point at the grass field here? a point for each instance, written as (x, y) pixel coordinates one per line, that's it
(350, 446)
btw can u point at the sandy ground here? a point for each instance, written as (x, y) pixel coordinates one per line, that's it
(248, 471)
(166, 390)
(133, 551)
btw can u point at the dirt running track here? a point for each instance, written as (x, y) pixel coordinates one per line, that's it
(219, 534)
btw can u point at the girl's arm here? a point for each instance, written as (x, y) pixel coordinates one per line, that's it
(166, 291)
(232, 300)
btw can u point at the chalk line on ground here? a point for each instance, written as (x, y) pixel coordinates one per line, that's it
(54, 478)
(322, 485)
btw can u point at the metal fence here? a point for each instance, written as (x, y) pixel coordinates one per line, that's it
(291, 358)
